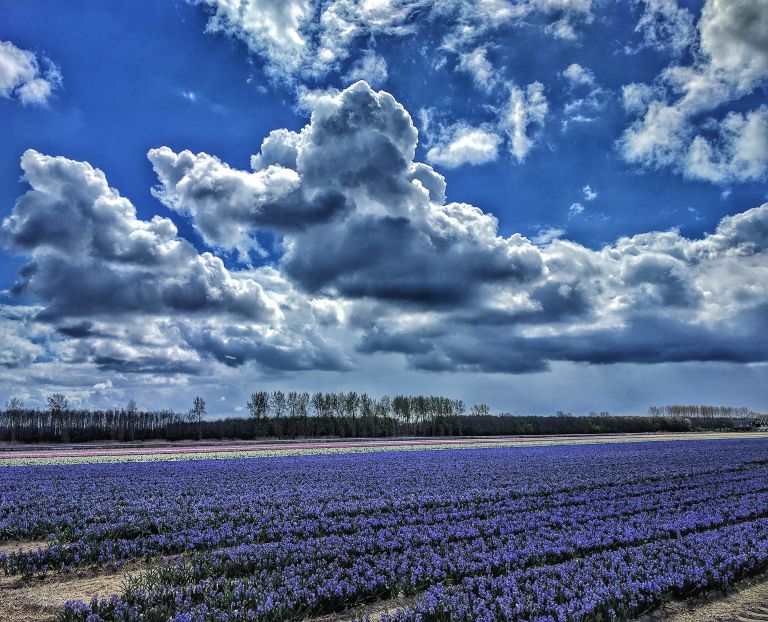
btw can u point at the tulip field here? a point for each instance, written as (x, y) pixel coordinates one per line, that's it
(541, 534)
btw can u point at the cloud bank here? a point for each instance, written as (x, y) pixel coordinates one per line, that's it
(372, 259)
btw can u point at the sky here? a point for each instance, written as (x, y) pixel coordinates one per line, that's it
(538, 204)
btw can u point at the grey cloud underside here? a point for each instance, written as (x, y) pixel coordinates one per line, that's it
(373, 260)
(645, 339)
(389, 258)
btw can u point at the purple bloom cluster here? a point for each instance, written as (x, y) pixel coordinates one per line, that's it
(596, 532)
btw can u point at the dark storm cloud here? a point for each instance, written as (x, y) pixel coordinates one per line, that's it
(80, 329)
(644, 340)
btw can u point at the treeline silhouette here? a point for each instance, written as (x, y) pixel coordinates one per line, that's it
(302, 415)
(699, 410)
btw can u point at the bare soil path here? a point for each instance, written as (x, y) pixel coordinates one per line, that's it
(39, 599)
(16, 546)
(747, 602)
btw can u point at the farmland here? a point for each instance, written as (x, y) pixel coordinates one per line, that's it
(590, 532)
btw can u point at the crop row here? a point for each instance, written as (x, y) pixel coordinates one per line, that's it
(202, 531)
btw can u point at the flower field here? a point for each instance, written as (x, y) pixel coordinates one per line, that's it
(538, 533)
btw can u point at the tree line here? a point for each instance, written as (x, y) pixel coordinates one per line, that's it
(702, 410)
(296, 414)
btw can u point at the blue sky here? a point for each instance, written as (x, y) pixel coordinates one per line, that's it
(609, 141)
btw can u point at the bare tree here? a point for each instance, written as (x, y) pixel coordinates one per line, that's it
(57, 402)
(258, 404)
(480, 410)
(13, 408)
(196, 415)
(58, 405)
(278, 404)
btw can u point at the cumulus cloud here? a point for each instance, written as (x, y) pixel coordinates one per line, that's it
(395, 237)
(587, 97)
(589, 193)
(26, 78)
(636, 97)
(673, 128)
(545, 236)
(303, 38)
(435, 282)
(475, 62)
(465, 145)
(649, 298)
(126, 287)
(578, 75)
(227, 204)
(738, 151)
(398, 269)
(19, 342)
(90, 253)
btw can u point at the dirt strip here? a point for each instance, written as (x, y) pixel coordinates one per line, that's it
(373, 611)
(14, 546)
(39, 599)
(746, 602)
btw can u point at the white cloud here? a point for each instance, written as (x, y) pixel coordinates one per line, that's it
(636, 97)
(672, 129)
(589, 193)
(575, 209)
(666, 26)
(18, 347)
(271, 28)
(578, 75)
(23, 78)
(465, 145)
(588, 98)
(525, 110)
(738, 153)
(304, 39)
(475, 62)
(370, 67)
(545, 236)
(355, 194)
(734, 38)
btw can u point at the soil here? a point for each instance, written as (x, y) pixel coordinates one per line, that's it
(746, 602)
(39, 599)
(373, 611)
(14, 546)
